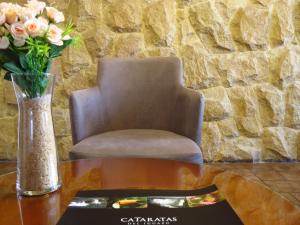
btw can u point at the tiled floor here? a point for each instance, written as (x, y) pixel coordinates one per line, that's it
(280, 177)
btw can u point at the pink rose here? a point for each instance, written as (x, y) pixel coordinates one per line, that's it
(54, 35)
(33, 27)
(18, 31)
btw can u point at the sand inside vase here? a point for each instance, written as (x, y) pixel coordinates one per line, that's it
(37, 156)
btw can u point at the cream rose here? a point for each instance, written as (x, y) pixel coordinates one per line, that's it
(11, 16)
(4, 42)
(10, 11)
(33, 27)
(26, 14)
(55, 15)
(18, 31)
(19, 43)
(37, 6)
(54, 35)
(44, 23)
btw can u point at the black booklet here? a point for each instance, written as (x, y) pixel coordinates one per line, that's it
(150, 207)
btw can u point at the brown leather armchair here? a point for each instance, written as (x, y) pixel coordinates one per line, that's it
(139, 109)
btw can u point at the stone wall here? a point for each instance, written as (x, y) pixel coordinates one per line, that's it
(243, 55)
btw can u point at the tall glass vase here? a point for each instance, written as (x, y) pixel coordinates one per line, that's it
(37, 159)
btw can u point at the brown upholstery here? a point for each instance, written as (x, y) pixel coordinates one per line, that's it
(136, 94)
(138, 143)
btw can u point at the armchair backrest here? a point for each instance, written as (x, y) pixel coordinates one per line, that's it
(139, 93)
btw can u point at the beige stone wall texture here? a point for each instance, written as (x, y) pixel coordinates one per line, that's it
(243, 55)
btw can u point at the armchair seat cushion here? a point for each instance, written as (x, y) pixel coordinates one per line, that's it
(138, 143)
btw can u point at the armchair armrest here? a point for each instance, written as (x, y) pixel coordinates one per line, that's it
(188, 114)
(85, 113)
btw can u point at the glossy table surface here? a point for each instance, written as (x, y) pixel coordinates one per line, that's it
(253, 202)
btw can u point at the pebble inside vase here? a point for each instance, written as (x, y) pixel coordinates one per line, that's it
(37, 169)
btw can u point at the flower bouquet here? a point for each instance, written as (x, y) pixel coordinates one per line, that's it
(29, 40)
(31, 36)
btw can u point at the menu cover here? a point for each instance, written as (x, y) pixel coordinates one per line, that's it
(150, 207)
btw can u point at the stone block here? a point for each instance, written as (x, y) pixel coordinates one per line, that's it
(228, 128)
(160, 23)
(199, 69)
(64, 145)
(186, 34)
(292, 96)
(89, 8)
(99, 42)
(250, 126)
(210, 27)
(254, 26)
(124, 16)
(75, 59)
(161, 51)
(80, 81)
(241, 148)
(61, 121)
(129, 45)
(271, 105)
(211, 140)
(217, 104)
(8, 137)
(282, 26)
(243, 100)
(243, 68)
(280, 143)
(9, 93)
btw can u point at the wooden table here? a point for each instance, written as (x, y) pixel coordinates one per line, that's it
(253, 202)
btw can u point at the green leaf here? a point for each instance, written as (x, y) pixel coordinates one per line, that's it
(48, 66)
(7, 76)
(9, 54)
(22, 83)
(56, 50)
(23, 61)
(12, 67)
(3, 58)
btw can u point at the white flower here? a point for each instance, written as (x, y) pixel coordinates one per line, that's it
(54, 35)
(2, 18)
(4, 42)
(55, 15)
(33, 27)
(37, 6)
(18, 31)
(19, 43)
(44, 24)
(4, 6)
(66, 37)
(26, 14)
